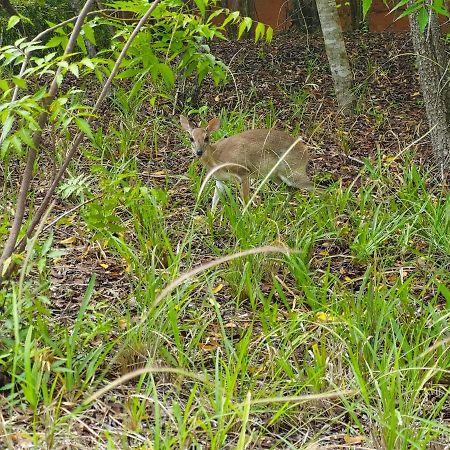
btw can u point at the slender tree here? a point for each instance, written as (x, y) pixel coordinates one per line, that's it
(8, 7)
(336, 53)
(433, 64)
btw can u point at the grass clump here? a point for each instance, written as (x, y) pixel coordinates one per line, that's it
(344, 340)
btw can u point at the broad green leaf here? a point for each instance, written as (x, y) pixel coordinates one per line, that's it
(84, 126)
(366, 6)
(231, 17)
(422, 18)
(242, 27)
(7, 124)
(88, 63)
(54, 41)
(81, 44)
(4, 86)
(414, 7)
(440, 9)
(89, 33)
(12, 22)
(214, 14)
(26, 138)
(245, 25)
(74, 69)
(17, 144)
(399, 4)
(128, 73)
(259, 31)
(19, 82)
(167, 74)
(269, 34)
(201, 5)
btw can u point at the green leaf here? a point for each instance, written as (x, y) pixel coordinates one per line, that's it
(167, 74)
(84, 126)
(215, 13)
(246, 24)
(47, 244)
(81, 44)
(366, 6)
(89, 33)
(414, 7)
(399, 4)
(55, 41)
(7, 124)
(242, 27)
(201, 5)
(269, 34)
(422, 18)
(19, 82)
(231, 17)
(12, 22)
(74, 69)
(259, 31)
(4, 86)
(26, 138)
(88, 63)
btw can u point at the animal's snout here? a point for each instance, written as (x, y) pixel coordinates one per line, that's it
(199, 152)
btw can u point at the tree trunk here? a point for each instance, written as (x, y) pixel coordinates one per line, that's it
(433, 65)
(10, 10)
(357, 14)
(304, 15)
(75, 4)
(336, 53)
(245, 7)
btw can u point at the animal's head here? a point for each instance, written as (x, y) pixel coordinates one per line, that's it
(200, 137)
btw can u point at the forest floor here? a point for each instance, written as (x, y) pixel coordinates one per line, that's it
(287, 84)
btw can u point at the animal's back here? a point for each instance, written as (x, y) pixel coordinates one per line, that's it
(253, 147)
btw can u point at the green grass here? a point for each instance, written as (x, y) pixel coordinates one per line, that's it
(361, 308)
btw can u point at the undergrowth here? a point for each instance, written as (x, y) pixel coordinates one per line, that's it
(358, 309)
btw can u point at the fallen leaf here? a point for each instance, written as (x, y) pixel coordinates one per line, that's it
(354, 439)
(209, 347)
(324, 317)
(217, 289)
(105, 266)
(159, 173)
(70, 240)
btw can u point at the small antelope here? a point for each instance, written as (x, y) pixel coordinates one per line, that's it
(247, 155)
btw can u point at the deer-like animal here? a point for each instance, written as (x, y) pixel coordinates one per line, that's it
(249, 155)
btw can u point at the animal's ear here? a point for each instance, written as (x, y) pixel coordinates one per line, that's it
(185, 124)
(213, 125)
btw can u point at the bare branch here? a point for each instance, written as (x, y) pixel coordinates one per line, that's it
(31, 157)
(79, 137)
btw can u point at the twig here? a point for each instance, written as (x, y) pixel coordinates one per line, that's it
(31, 157)
(79, 137)
(70, 211)
(28, 53)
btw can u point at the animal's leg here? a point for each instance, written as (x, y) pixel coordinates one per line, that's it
(220, 187)
(245, 189)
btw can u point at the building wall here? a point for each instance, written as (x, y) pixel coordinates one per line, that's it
(276, 14)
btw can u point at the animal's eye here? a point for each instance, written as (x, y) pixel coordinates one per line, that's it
(191, 138)
(206, 139)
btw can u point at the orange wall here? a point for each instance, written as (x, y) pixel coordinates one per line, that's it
(275, 14)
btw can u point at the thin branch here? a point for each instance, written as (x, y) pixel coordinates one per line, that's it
(79, 137)
(31, 157)
(28, 54)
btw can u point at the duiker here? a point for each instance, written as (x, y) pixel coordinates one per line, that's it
(250, 154)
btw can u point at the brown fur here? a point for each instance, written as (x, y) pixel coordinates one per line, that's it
(251, 154)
